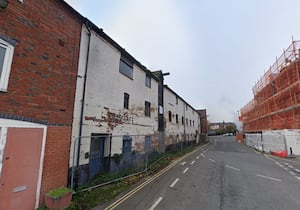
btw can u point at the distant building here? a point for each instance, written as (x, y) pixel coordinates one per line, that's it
(221, 128)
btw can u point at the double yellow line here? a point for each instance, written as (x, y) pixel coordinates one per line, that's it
(148, 181)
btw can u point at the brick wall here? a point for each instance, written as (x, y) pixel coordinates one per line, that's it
(56, 159)
(42, 81)
(43, 74)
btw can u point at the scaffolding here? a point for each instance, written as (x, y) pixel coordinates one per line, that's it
(276, 102)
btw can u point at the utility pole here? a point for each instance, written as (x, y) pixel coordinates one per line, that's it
(161, 123)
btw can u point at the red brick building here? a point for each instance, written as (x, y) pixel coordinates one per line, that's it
(39, 49)
(203, 123)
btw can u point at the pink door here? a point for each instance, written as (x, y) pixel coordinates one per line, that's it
(21, 164)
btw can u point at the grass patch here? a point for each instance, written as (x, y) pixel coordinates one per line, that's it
(87, 200)
(58, 192)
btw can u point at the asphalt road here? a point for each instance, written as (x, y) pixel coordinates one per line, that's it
(221, 175)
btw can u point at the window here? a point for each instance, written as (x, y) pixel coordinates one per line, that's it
(190, 122)
(170, 116)
(126, 100)
(147, 108)
(187, 122)
(148, 81)
(177, 118)
(182, 120)
(6, 55)
(193, 123)
(126, 68)
(176, 99)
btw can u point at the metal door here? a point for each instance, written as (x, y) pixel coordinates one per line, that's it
(96, 164)
(148, 143)
(21, 166)
(127, 143)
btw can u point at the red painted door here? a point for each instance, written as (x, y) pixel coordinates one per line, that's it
(21, 164)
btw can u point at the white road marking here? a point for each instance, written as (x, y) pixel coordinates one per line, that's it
(285, 168)
(297, 177)
(183, 163)
(231, 167)
(292, 173)
(297, 170)
(286, 164)
(267, 177)
(290, 166)
(175, 181)
(212, 160)
(279, 164)
(197, 157)
(192, 162)
(156, 203)
(202, 155)
(185, 170)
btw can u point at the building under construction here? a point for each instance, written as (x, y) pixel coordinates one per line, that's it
(276, 102)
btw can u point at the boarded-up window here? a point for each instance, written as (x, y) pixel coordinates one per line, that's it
(126, 68)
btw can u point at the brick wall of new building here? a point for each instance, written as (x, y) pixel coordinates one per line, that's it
(43, 74)
(56, 159)
(42, 81)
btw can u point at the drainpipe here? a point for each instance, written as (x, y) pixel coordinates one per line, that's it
(83, 94)
(184, 124)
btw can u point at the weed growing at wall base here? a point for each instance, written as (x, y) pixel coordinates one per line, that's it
(99, 196)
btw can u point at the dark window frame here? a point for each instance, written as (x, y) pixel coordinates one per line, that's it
(147, 109)
(126, 101)
(170, 116)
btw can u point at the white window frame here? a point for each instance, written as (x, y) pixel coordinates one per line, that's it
(8, 57)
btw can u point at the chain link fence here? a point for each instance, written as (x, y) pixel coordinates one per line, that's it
(115, 154)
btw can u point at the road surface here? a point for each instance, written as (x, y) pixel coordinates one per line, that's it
(221, 175)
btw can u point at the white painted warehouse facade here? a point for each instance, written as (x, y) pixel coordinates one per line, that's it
(116, 106)
(181, 119)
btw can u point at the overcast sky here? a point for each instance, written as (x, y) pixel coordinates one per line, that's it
(215, 50)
